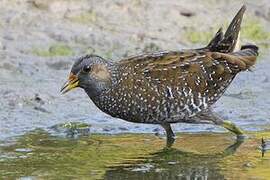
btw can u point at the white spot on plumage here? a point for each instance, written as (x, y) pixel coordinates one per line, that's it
(170, 92)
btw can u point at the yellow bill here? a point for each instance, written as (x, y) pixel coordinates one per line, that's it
(71, 83)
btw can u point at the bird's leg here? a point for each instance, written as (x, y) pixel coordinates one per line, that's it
(213, 117)
(169, 133)
(233, 128)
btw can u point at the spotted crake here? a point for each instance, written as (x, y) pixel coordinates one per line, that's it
(166, 87)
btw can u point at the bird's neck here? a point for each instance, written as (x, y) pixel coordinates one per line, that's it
(95, 92)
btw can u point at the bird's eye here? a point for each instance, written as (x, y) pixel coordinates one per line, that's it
(87, 68)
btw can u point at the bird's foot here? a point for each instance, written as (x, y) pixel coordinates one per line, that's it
(170, 141)
(241, 137)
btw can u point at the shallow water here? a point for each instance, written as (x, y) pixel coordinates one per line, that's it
(38, 142)
(40, 155)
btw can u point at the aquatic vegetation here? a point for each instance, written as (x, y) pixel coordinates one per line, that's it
(72, 129)
(201, 37)
(54, 50)
(39, 154)
(254, 30)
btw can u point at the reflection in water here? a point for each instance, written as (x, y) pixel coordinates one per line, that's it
(129, 156)
(265, 146)
(174, 164)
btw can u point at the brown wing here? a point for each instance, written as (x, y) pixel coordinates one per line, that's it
(196, 79)
(176, 85)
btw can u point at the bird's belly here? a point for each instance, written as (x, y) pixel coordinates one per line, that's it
(158, 104)
(169, 110)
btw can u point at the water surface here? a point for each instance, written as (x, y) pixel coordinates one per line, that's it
(40, 155)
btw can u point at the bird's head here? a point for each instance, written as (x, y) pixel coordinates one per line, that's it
(91, 73)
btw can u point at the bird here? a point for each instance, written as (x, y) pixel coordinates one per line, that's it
(167, 87)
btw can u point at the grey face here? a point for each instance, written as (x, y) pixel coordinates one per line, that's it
(90, 73)
(82, 68)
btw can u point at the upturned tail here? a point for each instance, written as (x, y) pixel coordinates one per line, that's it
(227, 42)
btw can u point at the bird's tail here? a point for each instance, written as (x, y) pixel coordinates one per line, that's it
(247, 56)
(241, 60)
(227, 42)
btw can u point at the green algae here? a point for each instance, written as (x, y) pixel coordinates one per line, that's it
(254, 30)
(133, 156)
(54, 50)
(74, 125)
(198, 37)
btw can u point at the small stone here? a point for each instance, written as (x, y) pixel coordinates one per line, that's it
(53, 6)
(41, 109)
(187, 13)
(123, 128)
(38, 99)
(248, 165)
(40, 4)
(171, 162)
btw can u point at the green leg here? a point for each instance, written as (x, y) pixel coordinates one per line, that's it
(233, 128)
(169, 133)
(211, 116)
